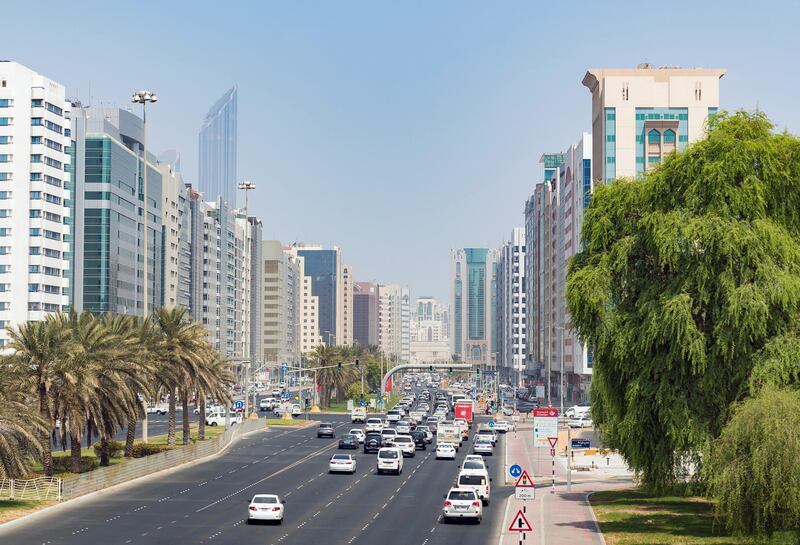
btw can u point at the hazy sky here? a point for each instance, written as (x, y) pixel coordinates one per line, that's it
(396, 130)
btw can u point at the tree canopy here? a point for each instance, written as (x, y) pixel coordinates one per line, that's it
(687, 289)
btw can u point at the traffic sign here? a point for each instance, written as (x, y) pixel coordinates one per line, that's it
(238, 404)
(491, 423)
(581, 443)
(545, 424)
(552, 452)
(524, 481)
(519, 523)
(553, 441)
(515, 471)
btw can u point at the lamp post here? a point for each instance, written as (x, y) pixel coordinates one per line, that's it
(248, 186)
(143, 97)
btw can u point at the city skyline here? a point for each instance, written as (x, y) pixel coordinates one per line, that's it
(326, 111)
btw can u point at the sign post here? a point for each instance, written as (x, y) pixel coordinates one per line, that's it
(553, 442)
(545, 424)
(524, 489)
(520, 524)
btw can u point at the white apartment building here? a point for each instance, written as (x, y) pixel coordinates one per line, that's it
(511, 309)
(345, 302)
(175, 225)
(640, 115)
(281, 304)
(394, 321)
(429, 320)
(308, 316)
(34, 196)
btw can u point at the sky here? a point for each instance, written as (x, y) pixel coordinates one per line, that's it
(395, 130)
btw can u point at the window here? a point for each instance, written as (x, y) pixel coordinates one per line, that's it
(6, 102)
(34, 250)
(33, 288)
(36, 176)
(5, 269)
(36, 122)
(6, 121)
(653, 137)
(36, 157)
(49, 252)
(6, 158)
(33, 269)
(5, 195)
(52, 144)
(37, 103)
(36, 195)
(53, 127)
(698, 91)
(52, 181)
(36, 139)
(52, 162)
(625, 91)
(53, 108)
(6, 139)
(5, 176)
(5, 213)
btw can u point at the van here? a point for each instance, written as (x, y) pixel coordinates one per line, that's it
(477, 480)
(358, 414)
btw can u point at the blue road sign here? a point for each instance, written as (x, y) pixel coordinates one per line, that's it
(238, 404)
(362, 403)
(515, 471)
(581, 443)
(491, 423)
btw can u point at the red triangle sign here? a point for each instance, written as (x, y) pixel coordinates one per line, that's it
(519, 523)
(524, 480)
(553, 441)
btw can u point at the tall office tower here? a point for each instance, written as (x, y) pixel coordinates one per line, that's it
(217, 149)
(345, 302)
(473, 291)
(365, 313)
(34, 196)
(511, 309)
(281, 306)
(109, 243)
(308, 324)
(640, 115)
(323, 268)
(394, 321)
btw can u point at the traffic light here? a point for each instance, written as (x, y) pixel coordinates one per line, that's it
(339, 365)
(430, 368)
(450, 371)
(358, 364)
(478, 373)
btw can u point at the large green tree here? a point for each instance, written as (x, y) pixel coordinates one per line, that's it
(687, 283)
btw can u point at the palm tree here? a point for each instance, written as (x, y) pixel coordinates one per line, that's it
(36, 348)
(21, 432)
(214, 382)
(329, 377)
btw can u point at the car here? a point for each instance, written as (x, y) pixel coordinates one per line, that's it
(419, 439)
(577, 411)
(580, 422)
(445, 451)
(373, 424)
(348, 441)
(296, 410)
(502, 426)
(403, 426)
(390, 459)
(483, 446)
(462, 503)
(388, 434)
(474, 465)
(393, 415)
(474, 458)
(342, 463)
(276, 392)
(359, 433)
(427, 431)
(326, 429)
(478, 480)
(158, 409)
(406, 445)
(267, 403)
(486, 433)
(358, 414)
(464, 425)
(268, 507)
(432, 422)
(372, 442)
(218, 419)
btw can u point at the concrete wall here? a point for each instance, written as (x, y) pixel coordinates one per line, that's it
(105, 477)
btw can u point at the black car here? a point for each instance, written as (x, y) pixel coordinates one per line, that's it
(419, 440)
(326, 430)
(373, 442)
(348, 441)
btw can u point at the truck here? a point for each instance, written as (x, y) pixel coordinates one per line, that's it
(449, 433)
(464, 409)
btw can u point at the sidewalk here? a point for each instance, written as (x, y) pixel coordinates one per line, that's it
(558, 515)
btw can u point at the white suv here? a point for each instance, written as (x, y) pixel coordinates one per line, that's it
(406, 445)
(390, 459)
(462, 503)
(478, 480)
(374, 424)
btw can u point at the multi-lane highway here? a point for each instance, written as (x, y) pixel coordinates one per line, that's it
(207, 502)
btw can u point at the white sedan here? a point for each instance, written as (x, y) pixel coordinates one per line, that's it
(445, 451)
(483, 446)
(342, 463)
(265, 507)
(358, 432)
(501, 426)
(580, 422)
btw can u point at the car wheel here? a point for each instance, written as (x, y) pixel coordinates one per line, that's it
(445, 520)
(213, 424)
(280, 521)
(485, 501)
(248, 522)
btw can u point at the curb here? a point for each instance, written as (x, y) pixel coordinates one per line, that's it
(594, 518)
(93, 495)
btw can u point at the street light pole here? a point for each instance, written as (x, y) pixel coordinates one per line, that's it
(143, 97)
(248, 186)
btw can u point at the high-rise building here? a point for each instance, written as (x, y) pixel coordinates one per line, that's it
(473, 291)
(511, 309)
(365, 313)
(176, 234)
(217, 150)
(308, 323)
(109, 243)
(394, 321)
(345, 301)
(641, 115)
(429, 332)
(281, 305)
(256, 288)
(324, 269)
(34, 196)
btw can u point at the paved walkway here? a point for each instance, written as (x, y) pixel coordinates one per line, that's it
(559, 514)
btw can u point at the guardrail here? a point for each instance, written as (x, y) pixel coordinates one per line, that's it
(41, 488)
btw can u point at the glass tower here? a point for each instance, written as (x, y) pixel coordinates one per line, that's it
(217, 151)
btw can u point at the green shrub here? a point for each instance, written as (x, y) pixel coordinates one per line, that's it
(140, 450)
(115, 449)
(63, 464)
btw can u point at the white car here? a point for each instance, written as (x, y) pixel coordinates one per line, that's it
(267, 403)
(483, 446)
(387, 434)
(478, 480)
(406, 445)
(218, 419)
(580, 422)
(486, 433)
(445, 451)
(501, 426)
(394, 415)
(403, 426)
(265, 507)
(157, 409)
(474, 458)
(373, 424)
(358, 414)
(358, 432)
(390, 460)
(342, 463)
(296, 410)
(462, 503)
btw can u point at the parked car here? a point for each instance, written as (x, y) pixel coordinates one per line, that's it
(580, 422)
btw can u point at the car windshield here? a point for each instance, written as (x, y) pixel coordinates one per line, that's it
(461, 495)
(390, 454)
(471, 480)
(265, 499)
(483, 442)
(473, 465)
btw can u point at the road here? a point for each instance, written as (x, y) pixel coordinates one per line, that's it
(207, 502)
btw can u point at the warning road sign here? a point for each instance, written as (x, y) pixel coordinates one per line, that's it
(524, 488)
(553, 441)
(524, 481)
(519, 523)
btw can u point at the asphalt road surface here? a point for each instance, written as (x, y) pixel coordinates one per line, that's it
(207, 503)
